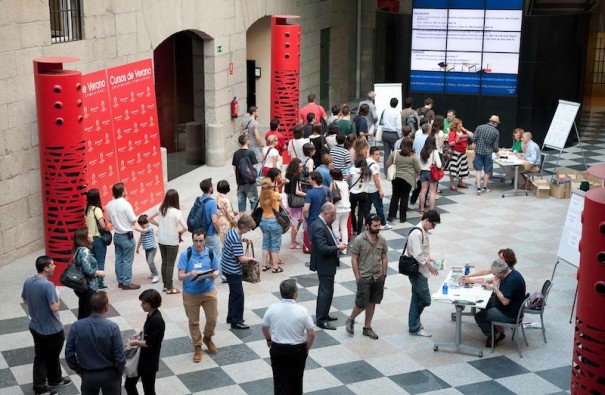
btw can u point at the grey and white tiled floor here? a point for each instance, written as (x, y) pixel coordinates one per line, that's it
(473, 228)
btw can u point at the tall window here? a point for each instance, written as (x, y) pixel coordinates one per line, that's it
(65, 20)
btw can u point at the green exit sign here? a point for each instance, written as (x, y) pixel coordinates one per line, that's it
(219, 49)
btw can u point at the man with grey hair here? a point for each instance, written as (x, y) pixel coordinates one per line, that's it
(372, 116)
(509, 292)
(325, 258)
(284, 327)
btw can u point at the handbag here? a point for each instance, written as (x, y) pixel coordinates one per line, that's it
(283, 219)
(132, 354)
(391, 170)
(295, 201)
(104, 234)
(257, 216)
(408, 265)
(336, 194)
(378, 135)
(251, 269)
(73, 277)
(437, 173)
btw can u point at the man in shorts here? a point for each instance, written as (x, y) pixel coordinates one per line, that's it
(370, 263)
(486, 138)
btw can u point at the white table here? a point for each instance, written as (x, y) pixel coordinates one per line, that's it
(474, 296)
(512, 160)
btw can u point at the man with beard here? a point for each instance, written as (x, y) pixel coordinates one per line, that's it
(370, 263)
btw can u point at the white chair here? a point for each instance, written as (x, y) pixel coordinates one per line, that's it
(514, 326)
(545, 291)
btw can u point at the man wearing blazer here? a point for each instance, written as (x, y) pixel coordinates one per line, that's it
(325, 254)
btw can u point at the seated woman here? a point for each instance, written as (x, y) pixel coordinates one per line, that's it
(517, 143)
(505, 254)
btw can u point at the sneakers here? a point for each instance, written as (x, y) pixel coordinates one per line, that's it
(211, 347)
(349, 326)
(486, 190)
(197, 355)
(102, 286)
(478, 192)
(65, 381)
(422, 333)
(155, 279)
(46, 390)
(369, 332)
(386, 227)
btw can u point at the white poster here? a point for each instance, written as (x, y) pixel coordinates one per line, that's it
(466, 19)
(502, 41)
(464, 40)
(428, 60)
(503, 20)
(430, 19)
(429, 40)
(501, 63)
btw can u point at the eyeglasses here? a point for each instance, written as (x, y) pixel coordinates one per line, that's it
(199, 241)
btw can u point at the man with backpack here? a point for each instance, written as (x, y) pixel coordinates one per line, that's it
(409, 117)
(251, 129)
(245, 167)
(427, 111)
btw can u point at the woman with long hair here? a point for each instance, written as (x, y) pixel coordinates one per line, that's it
(319, 142)
(171, 227)
(361, 149)
(358, 178)
(84, 259)
(93, 213)
(518, 146)
(270, 200)
(343, 206)
(428, 156)
(226, 216)
(293, 174)
(458, 165)
(406, 171)
(295, 145)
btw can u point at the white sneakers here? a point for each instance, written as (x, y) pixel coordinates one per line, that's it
(155, 279)
(386, 227)
(422, 333)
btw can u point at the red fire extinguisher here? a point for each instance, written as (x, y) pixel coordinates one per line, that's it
(234, 106)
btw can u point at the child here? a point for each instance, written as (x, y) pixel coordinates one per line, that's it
(150, 245)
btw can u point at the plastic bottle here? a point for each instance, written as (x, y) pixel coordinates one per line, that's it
(467, 269)
(444, 289)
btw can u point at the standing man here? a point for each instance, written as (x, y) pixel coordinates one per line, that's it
(213, 241)
(315, 197)
(245, 190)
(369, 262)
(409, 117)
(95, 351)
(427, 111)
(281, 140)
(391, 129)
(375, 191)
(251, 129)
(284, 327)
(43, 302)
(486, 138)
(312, 107)
(199, 291)
(121, 215)
(344, 123)
(418, 248)
(372, 116)
(325, 258)
(341, 157)
(447, 122)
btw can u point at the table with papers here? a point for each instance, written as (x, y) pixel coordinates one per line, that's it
(474, 296)
(512, 160)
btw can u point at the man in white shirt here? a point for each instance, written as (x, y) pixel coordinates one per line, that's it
(375, 191)
(390, 120)
(531, 157)
(121, 215)
(284, 327)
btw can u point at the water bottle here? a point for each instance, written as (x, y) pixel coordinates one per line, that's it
(444, 289)
(467, 269)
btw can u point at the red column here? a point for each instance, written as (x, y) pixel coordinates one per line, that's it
(285, 74)
(62, 155)
(588, 366)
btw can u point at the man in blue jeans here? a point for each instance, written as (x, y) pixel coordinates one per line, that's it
(418, 248)
(121, 215)
(213, 241)
(375, 191)
(245, 190)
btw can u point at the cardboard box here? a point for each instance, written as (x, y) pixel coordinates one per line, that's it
(542, 188)
(564, 171)
(560, 188)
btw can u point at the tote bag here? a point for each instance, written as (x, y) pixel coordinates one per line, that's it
(251, 269)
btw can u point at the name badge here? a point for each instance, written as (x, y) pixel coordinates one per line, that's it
(197, 265)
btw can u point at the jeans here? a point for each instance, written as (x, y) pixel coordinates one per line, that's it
(99, 250)
(148, 380)
(235, 309)
(401, 193)
(124, 257)
(247, 191)
(388, 141)
(169, 254)
(364, 210)
(46, 359)
(272, 231)
(325, 294)
(376, 200)
(150, 258)
(214, 243)
(421, 298)
(484, 319)
(108, 380)
(192, 304)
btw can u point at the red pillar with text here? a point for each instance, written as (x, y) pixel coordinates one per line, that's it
(285, 74)
(588, 365)
(62, 155)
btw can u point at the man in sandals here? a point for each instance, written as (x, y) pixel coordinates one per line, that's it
(198, 291)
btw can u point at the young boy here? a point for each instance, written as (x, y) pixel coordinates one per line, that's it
(150, 245)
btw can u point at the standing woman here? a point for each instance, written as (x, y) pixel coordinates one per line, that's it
(271, 156)
(270, 199)
(226, 216)
(293, 174)
(343, 206)
(358, 178)
(406, 170)
(458, 165)
(319, 142)
(428, 156)
(171, 226)
(151, 344)
(361, 122)
(437, 131)
(231, 261)
(84, 259)
(361, 149)
(93, 213)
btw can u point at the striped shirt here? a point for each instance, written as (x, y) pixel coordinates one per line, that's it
(148, 238)
(340, 157)
(232, 250)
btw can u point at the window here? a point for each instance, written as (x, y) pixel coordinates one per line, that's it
(65, 21)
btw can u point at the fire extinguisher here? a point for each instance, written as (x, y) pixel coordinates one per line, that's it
(234, 106)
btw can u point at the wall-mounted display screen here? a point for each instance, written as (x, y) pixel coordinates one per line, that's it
(466, 46)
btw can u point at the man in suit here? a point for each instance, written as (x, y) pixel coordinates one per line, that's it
(325, 254)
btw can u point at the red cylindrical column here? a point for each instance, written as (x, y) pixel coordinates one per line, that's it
(285, 74)
(588, 366)
(62, 155)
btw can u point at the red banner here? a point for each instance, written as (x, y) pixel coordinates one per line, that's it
(124, 143)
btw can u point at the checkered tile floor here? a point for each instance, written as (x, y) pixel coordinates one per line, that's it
(473, 228)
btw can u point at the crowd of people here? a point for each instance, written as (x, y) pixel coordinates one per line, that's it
(332, 181)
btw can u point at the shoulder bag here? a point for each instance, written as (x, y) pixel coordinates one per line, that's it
(73, 277)
(104, 234)
(437, 173)
(250, 269)
(378, 135)
(132, 354)
(295, 201)
(257, 215)
(336, 195)
(283, 219)
(391, 170)
(408, 265)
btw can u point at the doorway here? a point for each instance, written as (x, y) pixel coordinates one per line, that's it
(324, 69)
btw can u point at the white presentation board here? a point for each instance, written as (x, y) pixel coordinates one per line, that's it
(561, 124)
(572, 229)
(384, 93)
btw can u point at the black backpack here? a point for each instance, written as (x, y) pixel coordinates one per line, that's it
(246, 170)
(197, 216)
(411, 120)
(210, 254)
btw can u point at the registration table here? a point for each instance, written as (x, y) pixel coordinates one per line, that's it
(458, 295)
(511, 160)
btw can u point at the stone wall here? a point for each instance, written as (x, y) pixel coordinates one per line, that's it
(121, 31)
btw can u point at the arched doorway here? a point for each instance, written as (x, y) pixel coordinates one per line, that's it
(179, 85)
(258, 68)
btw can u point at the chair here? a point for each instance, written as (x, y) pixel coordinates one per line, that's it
(530, 175)
(545, 291)
(514, 326)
